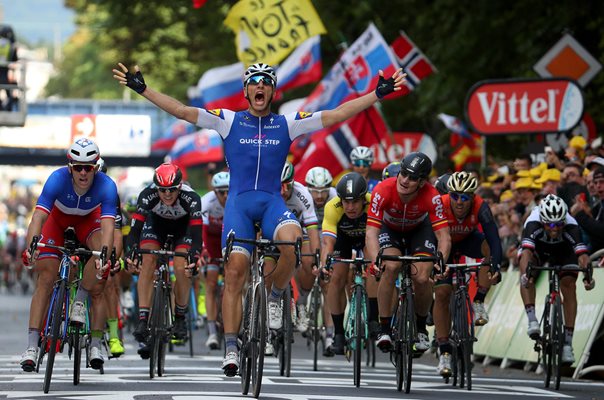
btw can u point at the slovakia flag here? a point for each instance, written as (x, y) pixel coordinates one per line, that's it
(177, 129)
(201, 147)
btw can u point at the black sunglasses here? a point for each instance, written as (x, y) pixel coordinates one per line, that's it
(553, 225)
(82, 167)
(254, 80)
(457, 196)
(168, 189)
(411, 177)
(222, 191)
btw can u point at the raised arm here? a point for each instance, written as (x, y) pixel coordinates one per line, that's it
(353, 107)
(136, 82)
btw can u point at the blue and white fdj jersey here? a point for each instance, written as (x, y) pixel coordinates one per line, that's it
(255, 149)
(58, 192)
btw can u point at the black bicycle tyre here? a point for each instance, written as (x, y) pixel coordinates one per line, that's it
(557, 342)
(190, 330)
(466, 340)
(57, 318)
(409, 329)
(315, 330)
(399, 343)
(285, 353)
(258, 338)
(546, 343)
(244, 353)
(357, 336)
(77, 355)
(154, 330)
(166, 332)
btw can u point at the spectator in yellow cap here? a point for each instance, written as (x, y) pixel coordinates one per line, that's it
(550, 179)
(525, 190)
(575, 152)
(523, 162)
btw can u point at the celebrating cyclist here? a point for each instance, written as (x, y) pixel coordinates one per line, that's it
(167, 206)
(255, 141)
(406, 217)
(361, 158)
(344, 231)
(212, 211)
(466, 212)
(74, 196)
(551, 234)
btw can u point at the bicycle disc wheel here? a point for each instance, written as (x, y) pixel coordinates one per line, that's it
(358, 333)
(77, 355)
(546, 344)
(285, 351)
(557, 340)
(245, 352)
(54, 342)
(259, 337)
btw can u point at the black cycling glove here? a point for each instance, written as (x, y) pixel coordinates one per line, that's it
(136, 82)
(384, 87)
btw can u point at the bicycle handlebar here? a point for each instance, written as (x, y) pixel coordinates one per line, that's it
(262, 244)
(77, 252)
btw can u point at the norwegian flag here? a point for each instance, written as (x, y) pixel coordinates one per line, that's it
(413, 61)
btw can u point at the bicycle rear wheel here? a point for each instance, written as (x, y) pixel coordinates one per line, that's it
(285, 351)
(358, 334)
(54, 342)
(258, 342)
(557, 341)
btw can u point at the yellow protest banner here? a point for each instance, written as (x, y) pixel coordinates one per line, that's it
(268, 30)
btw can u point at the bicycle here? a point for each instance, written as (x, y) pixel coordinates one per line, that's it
(550, 343)
(462, 335)
(314, 331)
(404, 327)
(254, 331)
(57, 330)
(160, 316)
(356, 330)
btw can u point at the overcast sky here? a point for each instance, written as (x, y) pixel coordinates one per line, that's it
(38, 20)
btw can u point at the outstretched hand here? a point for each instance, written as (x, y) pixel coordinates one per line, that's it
(134, 81)
(390, 85)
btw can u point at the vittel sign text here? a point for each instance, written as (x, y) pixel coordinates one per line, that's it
(524, 106)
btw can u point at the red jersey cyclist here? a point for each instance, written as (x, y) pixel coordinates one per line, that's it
(406, 216)
(75, 196)
(474, 233)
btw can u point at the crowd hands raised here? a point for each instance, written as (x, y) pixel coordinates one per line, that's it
(411, 211)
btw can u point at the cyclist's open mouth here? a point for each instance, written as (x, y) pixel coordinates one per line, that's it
(259, 97)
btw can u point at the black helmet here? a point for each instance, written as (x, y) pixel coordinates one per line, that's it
(417, 165)
(391, 170)
(441, 183)
(352, 186)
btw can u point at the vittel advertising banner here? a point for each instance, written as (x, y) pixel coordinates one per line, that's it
(524, 106)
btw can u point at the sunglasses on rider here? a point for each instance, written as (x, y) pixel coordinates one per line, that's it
(82, 167)
(222, 192)
(256, 79)
(361, 163)
(553, 225)
(168, 189)
(411, 177)
(460, 196)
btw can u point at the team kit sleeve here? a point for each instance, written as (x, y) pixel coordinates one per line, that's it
(138, 218)
(573, 235)
(331, 218)
(491, 233)
(374, 211)
(195, 223)
(110, 199)
(309, 216)
(436, 211)
(219, 120)
(50, 192)
(302, 122)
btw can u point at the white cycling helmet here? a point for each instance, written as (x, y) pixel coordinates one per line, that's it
(260, 69)
(287, 173)
(462, 182)
(221, 180)
(552, 209)
(361, 153)
(318, 177)
(83, 150)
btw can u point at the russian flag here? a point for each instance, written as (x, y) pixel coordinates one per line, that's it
(201, 147)
(222, 87)
(176, 129)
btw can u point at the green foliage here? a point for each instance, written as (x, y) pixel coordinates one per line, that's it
(467, 41)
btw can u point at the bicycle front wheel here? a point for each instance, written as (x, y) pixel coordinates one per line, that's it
(405, 342)
(245, 360)
(55, 333)
(314, 331)
(546, 343)
(166, 331)
(155, 330)
(258, 343)
(77, 354)
(358, 335)
(465, 331)
(557, 341)
(285, 351)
